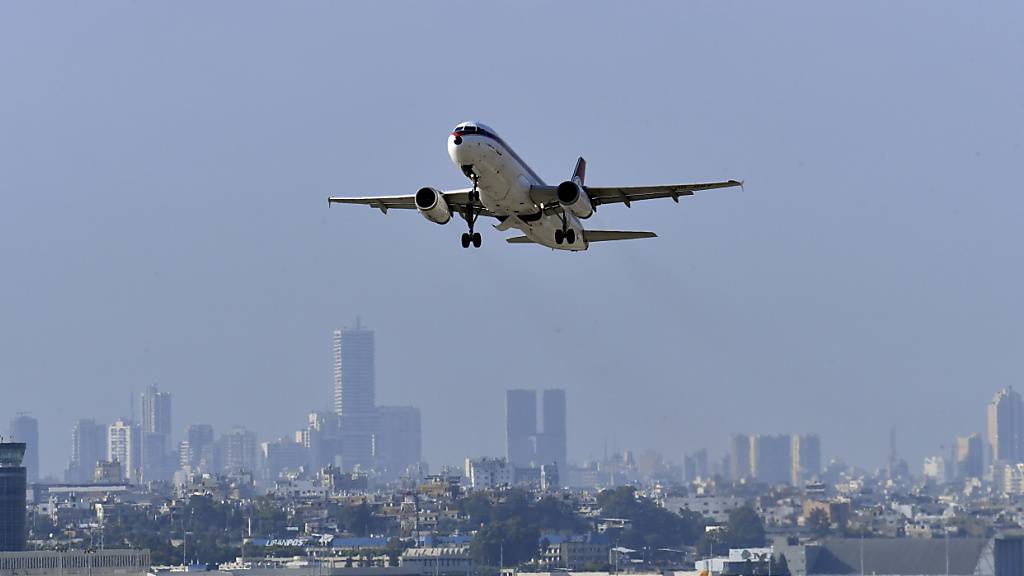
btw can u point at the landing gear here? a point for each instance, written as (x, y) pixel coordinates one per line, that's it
(471, 215)
(473, 239)
(565, 234)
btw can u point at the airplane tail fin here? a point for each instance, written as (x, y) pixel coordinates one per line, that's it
(580, 172)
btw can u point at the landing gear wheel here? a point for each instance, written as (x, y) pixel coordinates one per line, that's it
(570, 236)
(465, 240)
(475, 237)
(559, 236)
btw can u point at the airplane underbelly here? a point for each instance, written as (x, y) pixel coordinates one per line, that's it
(503, 190)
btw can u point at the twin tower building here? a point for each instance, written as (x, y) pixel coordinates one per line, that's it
(535, 437)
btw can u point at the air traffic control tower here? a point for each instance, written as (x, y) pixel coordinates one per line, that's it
(12, 496)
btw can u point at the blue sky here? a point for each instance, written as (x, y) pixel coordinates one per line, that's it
(164, 169)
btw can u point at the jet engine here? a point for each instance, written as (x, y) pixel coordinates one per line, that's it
(432, 205)
(573, 198)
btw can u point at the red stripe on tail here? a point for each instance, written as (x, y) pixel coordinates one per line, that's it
(581, 171)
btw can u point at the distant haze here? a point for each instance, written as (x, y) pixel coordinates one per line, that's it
(164, 169)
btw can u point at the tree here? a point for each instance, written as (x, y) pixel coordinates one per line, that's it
(745, 528)
(358, 520)
(818, 523)
(650, 525)
(510, 542)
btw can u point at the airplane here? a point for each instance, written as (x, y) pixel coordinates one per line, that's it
(506, 188)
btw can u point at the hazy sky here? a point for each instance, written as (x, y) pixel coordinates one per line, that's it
(164, 168)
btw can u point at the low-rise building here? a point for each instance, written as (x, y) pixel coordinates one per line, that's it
(439, 561)
(76, 563)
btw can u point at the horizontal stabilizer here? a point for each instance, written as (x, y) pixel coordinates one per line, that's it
(609, 235)
(594, 236)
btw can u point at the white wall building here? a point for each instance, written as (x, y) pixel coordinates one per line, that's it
(489, 473)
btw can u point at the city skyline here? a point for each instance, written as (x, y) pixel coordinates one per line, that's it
(773, 458)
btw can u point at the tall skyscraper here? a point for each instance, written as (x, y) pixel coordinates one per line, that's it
(156, 411)
(354, 400)
(197, 451)
(1005, 425)
(551, 440)
(771, 458)
(25, 428)
(88, 446)
(397, 444)
(13, 486)
(155, 434)
(123, 439)
(739, 457)
(531, 441)
(969, 457)
(520, 426)
(806, 458)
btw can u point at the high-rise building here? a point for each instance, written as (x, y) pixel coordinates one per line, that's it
(551, 440)
(520, 426)
(240, 451)
(739, 457)
(398, 442)
(695, 466)
(13, 487)
(25, 428)
(531, 441)
(155, 434)
(123, 440)
(321, 439)
(1005, 425)
(156, 411)
(354, 400)
(88, 446)
(282, 455)
(197, 451)
(771, 458)
(969, 456)
(806, 458)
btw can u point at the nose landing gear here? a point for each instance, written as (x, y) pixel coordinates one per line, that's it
(472, 214)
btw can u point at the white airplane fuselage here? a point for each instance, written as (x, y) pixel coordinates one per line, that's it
(503, 182)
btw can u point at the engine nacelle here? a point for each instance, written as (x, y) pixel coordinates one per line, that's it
(574, 198)
(433, 206)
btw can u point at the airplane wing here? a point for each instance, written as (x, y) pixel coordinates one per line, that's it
(627, 194)
(457, 201)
